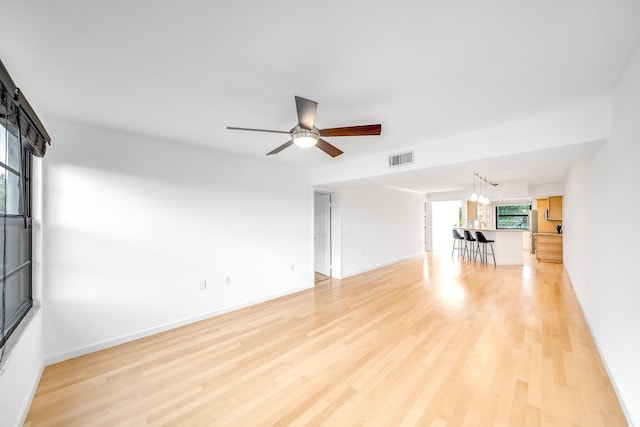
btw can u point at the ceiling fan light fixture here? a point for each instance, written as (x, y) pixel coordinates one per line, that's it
(305, 138)
(305, 141)
(306, 135)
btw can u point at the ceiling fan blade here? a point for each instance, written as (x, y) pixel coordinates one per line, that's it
(280, 148)
(258, 130)
(328, 148)
(306, 112)
(353, 130)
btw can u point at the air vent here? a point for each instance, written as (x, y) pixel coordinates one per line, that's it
(401, 159)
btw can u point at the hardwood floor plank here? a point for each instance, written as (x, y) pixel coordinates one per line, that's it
(428, 341)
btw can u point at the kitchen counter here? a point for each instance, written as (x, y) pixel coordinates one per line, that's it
(507, 246)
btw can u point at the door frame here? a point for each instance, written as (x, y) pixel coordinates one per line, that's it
(328, 232)
(335, 241)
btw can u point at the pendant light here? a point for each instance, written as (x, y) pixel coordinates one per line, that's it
(483, 198)
(486, 198)
(474, 195)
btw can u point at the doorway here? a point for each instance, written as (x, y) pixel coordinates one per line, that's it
(445, 216)
(322, 236)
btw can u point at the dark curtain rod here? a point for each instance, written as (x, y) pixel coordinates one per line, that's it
(11, 87)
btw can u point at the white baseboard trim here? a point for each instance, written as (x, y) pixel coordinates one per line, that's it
(609, 373)
(101, 345)
(604, 361)
(34, 388)
(375, 267)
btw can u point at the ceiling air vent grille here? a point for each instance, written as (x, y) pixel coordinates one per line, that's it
(401, 159)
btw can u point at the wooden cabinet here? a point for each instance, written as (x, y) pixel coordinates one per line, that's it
(549, 247)
(544, 226)
(555, 208)
(545, 210)
(472, 210)
(478, 212)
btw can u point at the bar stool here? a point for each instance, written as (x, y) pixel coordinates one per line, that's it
(470, 244)
(482, 240)
(458, 241)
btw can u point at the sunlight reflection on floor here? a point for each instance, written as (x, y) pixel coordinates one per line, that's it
(447, 286)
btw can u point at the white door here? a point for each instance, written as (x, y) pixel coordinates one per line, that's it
(322, 233)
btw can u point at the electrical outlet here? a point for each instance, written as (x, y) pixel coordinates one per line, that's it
(293, 267)
(203, 285)
(227, 280)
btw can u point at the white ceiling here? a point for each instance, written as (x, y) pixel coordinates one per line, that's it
(184, 70)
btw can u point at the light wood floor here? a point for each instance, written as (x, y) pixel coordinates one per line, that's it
(319, 277)
(428, 341)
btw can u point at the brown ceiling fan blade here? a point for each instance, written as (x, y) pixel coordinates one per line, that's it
(353, 130)
(328, 148)
(258, 130)
(280, 148)
(306, 112)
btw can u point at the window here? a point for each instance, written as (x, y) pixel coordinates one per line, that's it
(515, 217)
(15, 229)
(21, 137)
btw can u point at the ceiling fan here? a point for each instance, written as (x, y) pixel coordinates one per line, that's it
(305, 134)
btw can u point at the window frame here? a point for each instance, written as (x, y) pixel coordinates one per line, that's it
(12, 320)
(21, 122)
(498, 216)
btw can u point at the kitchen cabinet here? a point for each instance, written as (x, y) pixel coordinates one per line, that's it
(555, 208)
(549, 247)
(472, 211)
(544, 226)
(545, 223)
(478, 212)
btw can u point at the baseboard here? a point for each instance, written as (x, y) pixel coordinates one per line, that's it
(81, 351)
(421, 253)
(599, 350)
(34, 388)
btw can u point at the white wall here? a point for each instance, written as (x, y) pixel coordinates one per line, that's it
(21, 370)
(428, 223)
(601, 251)
(379, 226)
(133, 224)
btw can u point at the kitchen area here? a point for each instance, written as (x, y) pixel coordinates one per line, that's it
(548, 236)
(517, 227)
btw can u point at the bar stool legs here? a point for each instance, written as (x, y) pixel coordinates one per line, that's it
(482, 240)
(457, 243)
(471, 244)
(484, 254)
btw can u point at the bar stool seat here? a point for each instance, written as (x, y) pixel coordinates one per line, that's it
(482, 240)
(458, 242)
